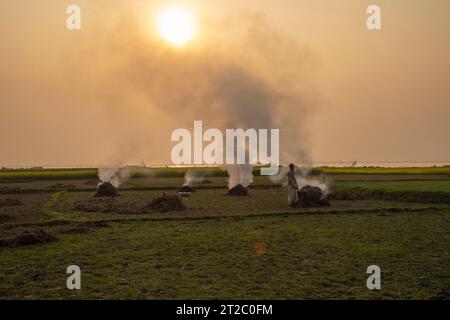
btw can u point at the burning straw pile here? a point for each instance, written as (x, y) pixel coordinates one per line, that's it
(309, 197)
(238, 191)
(239, 178)
(106, 189)
(110, 181)
(192, 179)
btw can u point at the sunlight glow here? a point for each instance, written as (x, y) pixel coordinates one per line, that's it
(177, 26)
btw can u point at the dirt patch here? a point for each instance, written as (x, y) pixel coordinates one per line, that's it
(28, 238)
(11, 190)
(85, 227)
(106, 189)
(186, 189)
(206, 181)
(344, 195)
(92, 183)
(167, 203)
(96, 205)
(61, 186)
(109, 206)
(4, 217)
(5, 181)
(238, 191)
(162, 204)
(10, 203)
(76, 230)
(96, 224)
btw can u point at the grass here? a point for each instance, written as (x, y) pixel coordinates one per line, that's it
(412, 191)
(421, 186)
(380, 170)
(302, 257)
(50, 174)
(233, 248)
(76, 174)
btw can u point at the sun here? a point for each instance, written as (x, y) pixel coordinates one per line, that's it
(177, 26)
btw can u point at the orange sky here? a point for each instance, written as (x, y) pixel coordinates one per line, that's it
(112, 92)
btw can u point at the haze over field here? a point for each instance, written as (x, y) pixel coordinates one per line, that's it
(114, 91)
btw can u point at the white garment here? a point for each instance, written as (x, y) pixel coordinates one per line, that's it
(292, 195)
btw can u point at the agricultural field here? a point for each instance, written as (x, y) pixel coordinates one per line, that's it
(222, 247)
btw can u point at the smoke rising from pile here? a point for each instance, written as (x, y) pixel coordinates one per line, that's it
(314, 182)
(115, 176)
(193, 178)
(239, 174)
(303, 178)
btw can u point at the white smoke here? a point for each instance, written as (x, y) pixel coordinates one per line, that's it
(192, 178)
(303, 178)
(239, 174)
(314, 182)
(257, 86)
(280, 177)
(114, 175)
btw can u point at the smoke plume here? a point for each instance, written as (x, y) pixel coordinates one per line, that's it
(193, 178)
(122, 84)
(303, 178)
(239, 174)
(258, 78)
(115, 176)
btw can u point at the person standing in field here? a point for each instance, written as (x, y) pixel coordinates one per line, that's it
(292, 186)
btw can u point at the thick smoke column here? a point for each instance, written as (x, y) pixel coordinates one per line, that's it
(240, 72)
(256, 78)
(239, 174)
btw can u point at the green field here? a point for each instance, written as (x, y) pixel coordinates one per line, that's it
(228, 248)
(89, 173)
(429, 191)
(388, 171)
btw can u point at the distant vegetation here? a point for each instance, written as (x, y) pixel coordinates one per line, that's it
(91, 173)
(166, 172)
(47, 174)
(379, 170)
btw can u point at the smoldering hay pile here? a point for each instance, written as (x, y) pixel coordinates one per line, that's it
(313, 190)
(110, 181)
(105, 189)
(311, 196)
(238, 191)
(239, 178)
(192, 179)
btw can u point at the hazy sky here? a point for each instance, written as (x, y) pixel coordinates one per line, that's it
(113, 91)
